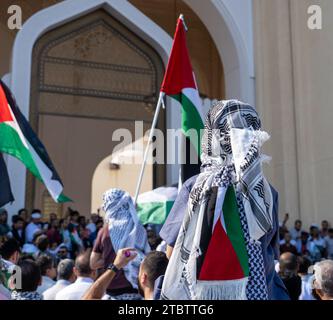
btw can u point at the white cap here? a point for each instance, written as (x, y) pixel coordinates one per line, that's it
(36, 215)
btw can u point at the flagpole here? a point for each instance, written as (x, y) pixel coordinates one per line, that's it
(182, 142)
(160, 102)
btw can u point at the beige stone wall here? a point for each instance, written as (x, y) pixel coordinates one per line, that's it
(129, 160)
(7, 36)
(294, 75)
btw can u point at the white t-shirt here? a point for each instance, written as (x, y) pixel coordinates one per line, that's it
(50, 294)
(30, 231)
(47, 283)
(91, 227)
(306, 293)
(76, 290)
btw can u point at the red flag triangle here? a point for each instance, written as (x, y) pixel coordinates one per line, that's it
(221, 261)
(179, 72)
(5, 114)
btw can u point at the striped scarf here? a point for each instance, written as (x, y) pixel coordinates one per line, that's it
(217, 254)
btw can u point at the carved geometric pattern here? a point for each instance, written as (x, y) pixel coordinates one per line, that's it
(80, 75)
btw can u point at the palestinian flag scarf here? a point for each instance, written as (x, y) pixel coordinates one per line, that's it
(19, 140)
(218, 255)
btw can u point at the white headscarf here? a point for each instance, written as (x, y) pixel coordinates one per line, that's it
(125, 229)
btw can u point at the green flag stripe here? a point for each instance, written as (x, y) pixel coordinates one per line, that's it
(191, 119)
(11, 143)
(154, 212)
(62, 198)
(234, 228)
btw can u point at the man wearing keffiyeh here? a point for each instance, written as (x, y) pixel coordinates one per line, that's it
(221, 251)
(125, 231)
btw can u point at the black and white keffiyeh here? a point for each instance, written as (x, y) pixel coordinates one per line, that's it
(125, 229)
(19, 295)
(231, 156)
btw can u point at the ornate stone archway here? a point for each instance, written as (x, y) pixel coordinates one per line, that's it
(90, 77)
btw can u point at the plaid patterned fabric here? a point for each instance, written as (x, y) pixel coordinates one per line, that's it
(125, 229)
(125, 296)
(256, 288)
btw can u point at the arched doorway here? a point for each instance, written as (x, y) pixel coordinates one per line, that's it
(90, 77)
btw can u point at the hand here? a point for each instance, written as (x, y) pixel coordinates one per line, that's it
(286, 217)
(124, 256)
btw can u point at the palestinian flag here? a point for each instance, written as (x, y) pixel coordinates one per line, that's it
(154, 206)
(225, 256)
(19, 140)
(179, 84)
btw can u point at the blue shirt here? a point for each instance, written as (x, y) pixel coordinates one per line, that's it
(269, 242)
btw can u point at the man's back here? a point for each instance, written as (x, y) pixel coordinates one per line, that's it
(46, 284)
(50, 294)
(76, 290)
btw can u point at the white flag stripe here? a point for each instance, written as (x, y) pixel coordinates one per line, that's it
(218, 213)
(161, 194)
(193, 95)
(53, 186)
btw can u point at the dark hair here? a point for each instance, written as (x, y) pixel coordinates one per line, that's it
(65, 269)
(42, 242)
(27, 256)
(3, 211)
(71, 227)
(9, 247)
(304, 265)
(21, 210)
(82, 264)
(31, 275)
(81, 219)
(44, 262)
(36, 211)
(154, 265)
(298, 221)
(330, 230)
(74, 213)
(16, 218)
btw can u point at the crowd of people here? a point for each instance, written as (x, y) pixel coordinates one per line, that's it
(300, 251)
(59, 259)
(66, 259)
